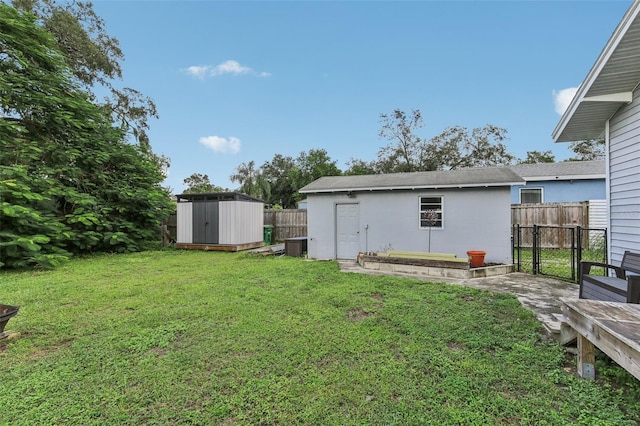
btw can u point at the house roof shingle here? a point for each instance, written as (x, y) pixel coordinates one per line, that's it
(567, 170)
(463, 178)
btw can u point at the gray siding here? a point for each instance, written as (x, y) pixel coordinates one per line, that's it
(205, 222)
(624, 180)
(474, 219)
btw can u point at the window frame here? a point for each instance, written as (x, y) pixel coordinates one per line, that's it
(531, 188)
(439, 211)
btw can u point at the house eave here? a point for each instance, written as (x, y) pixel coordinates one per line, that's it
(588, 112)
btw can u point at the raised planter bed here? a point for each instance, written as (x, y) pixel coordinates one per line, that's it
(438, 266)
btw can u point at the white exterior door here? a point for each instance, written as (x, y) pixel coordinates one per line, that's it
(347, 231)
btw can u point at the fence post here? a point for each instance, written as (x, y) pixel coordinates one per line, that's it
(579, 242)
(606, 246)
(534, 250)
(517, 246)
(574, 253)
(165, 236)
(513, 244)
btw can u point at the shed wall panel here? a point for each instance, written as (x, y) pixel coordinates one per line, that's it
(624, 180)
(184, 231)
(241, 222)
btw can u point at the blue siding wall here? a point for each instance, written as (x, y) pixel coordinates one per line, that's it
(565, 191)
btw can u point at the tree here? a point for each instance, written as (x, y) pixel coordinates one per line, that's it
(401, 154)
(454, 148)
(277, 172)
(534, 157)
(69, 182)
(360, 167)
(590, 149)
(311, 166)
(251, 181)
(277, 182)
(94, 58)
(199, 184)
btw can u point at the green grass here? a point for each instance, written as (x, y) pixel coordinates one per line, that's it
(557, 262)
(176, 337)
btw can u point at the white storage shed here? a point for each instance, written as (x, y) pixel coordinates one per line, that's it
(226, 221)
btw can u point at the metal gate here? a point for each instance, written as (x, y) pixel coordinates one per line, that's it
(558, 250)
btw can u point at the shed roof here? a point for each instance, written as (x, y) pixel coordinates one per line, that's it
(608, 86)
(463, 178)
(567, 170)
(217, 196)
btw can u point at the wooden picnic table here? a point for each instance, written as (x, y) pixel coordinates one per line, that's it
(613, 327)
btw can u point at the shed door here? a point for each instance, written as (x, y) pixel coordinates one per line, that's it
(205, 222)
(347, 231)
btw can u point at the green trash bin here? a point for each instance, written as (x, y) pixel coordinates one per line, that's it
(268, 234)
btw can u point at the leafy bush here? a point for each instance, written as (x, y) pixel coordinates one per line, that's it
(69, 181)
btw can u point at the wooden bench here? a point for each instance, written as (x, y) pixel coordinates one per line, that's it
(621, 288)
(424, 255)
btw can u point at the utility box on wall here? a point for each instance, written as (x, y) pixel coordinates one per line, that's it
(226, 221)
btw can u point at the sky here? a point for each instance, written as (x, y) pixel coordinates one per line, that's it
(240, 81)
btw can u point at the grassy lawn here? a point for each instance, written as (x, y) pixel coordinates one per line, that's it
(177, 337)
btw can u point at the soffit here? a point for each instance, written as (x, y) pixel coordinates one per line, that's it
(615, 72)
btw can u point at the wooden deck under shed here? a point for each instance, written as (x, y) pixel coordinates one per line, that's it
(219, 247)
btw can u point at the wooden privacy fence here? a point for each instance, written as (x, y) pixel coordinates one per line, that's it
(557, 221)
(288, 223)
(551, 214)
(169, 230)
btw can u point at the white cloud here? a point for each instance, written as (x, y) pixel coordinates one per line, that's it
(218, 144)
(197, 71)
(230, 67)
(562, 99)
(227, 67)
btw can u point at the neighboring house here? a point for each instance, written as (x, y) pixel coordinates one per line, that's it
(444, 212)
(607, 105)
(559, 182)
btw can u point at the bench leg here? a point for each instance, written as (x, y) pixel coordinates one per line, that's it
(586, 358)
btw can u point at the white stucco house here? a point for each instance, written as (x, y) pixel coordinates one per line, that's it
(441, 211)
(607, 105)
